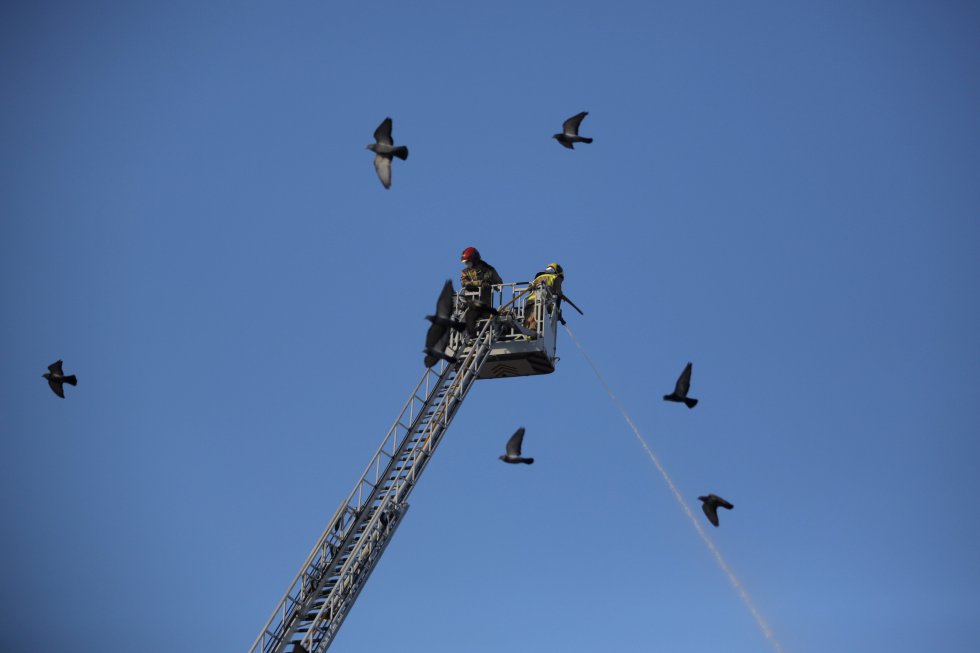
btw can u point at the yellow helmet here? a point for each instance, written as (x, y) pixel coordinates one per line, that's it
(556, 269)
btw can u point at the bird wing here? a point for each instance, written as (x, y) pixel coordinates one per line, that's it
(55, 368)
(683, 382)
(444, 307)
(570, 126)
(710, 512)
(382, 165)
(57, 387)
(515, 442)
(383, 133)
(434, 335)
(723, 503)
(438, 351)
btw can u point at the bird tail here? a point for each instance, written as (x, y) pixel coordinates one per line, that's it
(691, 403)
(435, 355)
(529, 461)
(401, 152)
(586, 140)
(71, 379)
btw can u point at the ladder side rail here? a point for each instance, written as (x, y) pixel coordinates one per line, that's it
(379, 490)
(267, 636)
(310, 579)
(464, 373)
(469, 372)
(403, 466)
(392, 434)
(337, 605)
(465, 382)
(299, 583)
(352, 577)
(400, 462)
(370, 565)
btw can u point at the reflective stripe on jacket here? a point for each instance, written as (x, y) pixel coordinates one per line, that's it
(543, 279)
(482, 276)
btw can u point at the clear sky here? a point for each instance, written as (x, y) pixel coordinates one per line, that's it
(785, 193)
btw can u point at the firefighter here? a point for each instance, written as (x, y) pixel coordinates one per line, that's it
(551, 277)
(479, 276)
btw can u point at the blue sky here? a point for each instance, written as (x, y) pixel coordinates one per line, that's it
(785, 194)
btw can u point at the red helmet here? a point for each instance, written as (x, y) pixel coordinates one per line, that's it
(470, 254)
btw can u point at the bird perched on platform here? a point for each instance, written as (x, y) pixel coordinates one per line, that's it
(384, 148)
(710, 505)
(437, 337)
(569, 132)
(681, 389)
(513, 454)
(56, 378)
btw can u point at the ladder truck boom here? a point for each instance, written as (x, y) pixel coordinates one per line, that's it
(315, 604)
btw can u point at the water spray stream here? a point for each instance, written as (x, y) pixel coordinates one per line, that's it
(744, 595)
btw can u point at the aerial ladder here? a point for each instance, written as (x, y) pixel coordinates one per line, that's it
(320, 597)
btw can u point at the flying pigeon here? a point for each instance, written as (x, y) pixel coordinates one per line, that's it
(384, 149)
(437, 336)
(710, 505)
(681, 388)
(569, 132)
(513, 454)
(56, 378)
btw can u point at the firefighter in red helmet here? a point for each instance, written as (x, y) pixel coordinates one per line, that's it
(477, 276)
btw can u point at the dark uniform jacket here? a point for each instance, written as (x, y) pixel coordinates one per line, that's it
(480, 277)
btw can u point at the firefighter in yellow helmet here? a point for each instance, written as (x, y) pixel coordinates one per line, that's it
(551, 277)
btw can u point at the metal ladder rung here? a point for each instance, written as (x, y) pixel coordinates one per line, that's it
(330, 589)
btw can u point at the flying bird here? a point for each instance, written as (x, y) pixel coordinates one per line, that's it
(56, 378)
(437, 337)
(513, 454)
(569, 132)
(710, 506)
(681, 389)
(384, 148)
(434, 354)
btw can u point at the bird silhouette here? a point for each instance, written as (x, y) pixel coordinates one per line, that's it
(384, 148)
(710, 506)
(513, 454)
(435, 354)
(56, 378)
(437, 337)
(569, 132)
(681, 389)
